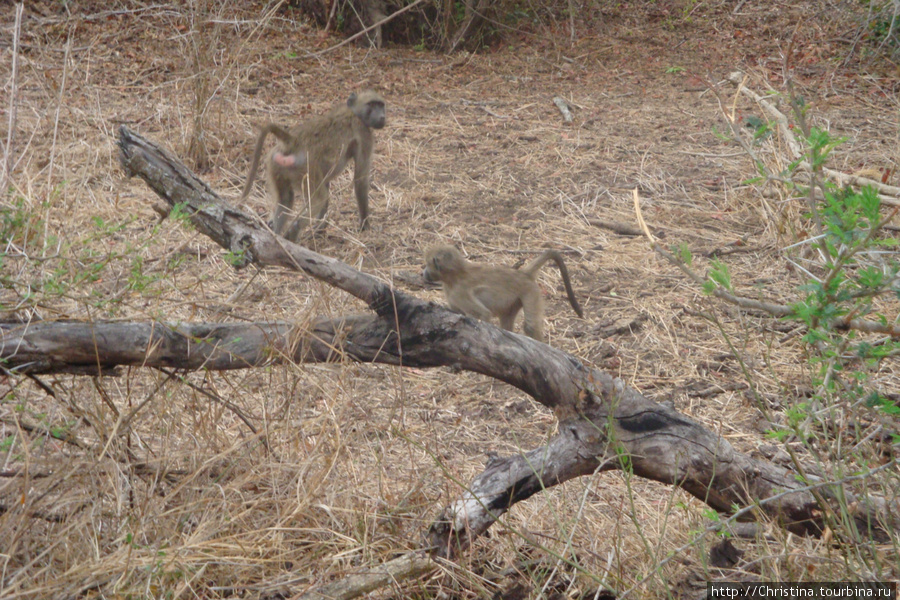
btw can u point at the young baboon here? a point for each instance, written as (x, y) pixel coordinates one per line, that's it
(485, 291)
(313, 153)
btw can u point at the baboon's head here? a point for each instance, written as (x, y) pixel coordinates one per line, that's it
(369, 107)
(443, 263)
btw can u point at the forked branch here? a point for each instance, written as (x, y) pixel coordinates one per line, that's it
(603, 423)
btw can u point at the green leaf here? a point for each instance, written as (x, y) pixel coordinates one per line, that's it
(870, 204)
(719, 273)
(720, 135)
(870, 277)
(712, 514)
(684, 253)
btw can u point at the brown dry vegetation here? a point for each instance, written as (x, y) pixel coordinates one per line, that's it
(184, 501)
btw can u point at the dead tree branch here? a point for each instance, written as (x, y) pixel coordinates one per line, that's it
(888, 193)
(603, 423)
(352, 586)
(777, 310)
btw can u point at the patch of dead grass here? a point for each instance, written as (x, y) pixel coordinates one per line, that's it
(357, 460)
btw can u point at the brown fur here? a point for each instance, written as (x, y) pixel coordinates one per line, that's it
(313, 153)
(486, 291)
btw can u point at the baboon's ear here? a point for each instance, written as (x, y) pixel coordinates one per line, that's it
(351, 100)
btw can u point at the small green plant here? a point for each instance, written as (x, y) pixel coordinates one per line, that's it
(138, 280)
(884, 27)
(712, 514)
(761, 129)
(674, 70)
(236, 258)
(683, 252)
(459, 12)
(289, 54)
(105, 229)
(846, 311)
(859, 267)
(19, 225)
(56, 282)
(718, 277)
(181, 213)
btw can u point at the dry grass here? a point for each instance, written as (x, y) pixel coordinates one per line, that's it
(183, 501)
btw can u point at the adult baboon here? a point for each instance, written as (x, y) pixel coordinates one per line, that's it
(313, 153)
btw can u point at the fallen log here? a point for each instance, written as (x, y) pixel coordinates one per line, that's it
(603, 423)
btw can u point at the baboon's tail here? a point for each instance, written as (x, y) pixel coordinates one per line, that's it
(278, 132)
(532, 268)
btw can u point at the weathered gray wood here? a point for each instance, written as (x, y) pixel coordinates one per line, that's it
(602, 421)
(563, 107)
(93, 348)
(366, 580)
(230, 228)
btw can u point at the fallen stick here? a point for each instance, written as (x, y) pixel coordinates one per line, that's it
(563, 107)
(889, 194)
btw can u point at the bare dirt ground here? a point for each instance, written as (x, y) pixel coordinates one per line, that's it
(183, 501)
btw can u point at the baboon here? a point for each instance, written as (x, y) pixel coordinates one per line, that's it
(313, 153)
(484, 291)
